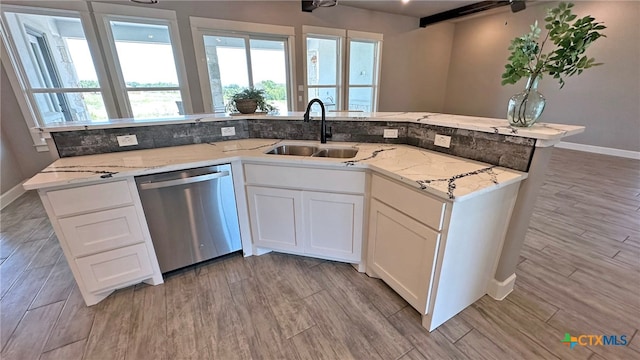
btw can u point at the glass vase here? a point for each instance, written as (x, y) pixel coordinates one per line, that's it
(526, 107)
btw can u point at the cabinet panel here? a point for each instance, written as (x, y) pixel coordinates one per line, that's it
(100, 231)
(276, 217)
(88, 198)
(305, 178)
(113, 268)
(334, 225)
(422, 207)
(402, 252)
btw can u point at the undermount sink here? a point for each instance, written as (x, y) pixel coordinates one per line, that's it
(299, 150)
(314, 151)
(342, 153)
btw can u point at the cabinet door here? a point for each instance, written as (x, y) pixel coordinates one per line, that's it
(402, 252)
(276, 218)
(333, 225)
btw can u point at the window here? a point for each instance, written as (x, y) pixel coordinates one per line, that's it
(234, 55)
(335, 57)
(57, 68)
(144, 53)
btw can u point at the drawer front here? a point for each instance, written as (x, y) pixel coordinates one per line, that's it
(305, 178)
(100, 231)
(114, 268)
(420, 206)
(89, 198)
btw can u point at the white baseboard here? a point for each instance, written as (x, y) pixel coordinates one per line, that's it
(9, 196)
(500, 289)
(600, 150)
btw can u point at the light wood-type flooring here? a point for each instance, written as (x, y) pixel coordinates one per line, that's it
(579, 272)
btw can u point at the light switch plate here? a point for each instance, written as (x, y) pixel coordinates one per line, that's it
(228, 131)
(390, 133)
(127, 140)
(442, 140)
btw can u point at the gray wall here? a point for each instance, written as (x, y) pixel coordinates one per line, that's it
(606, 99)
(20, 160)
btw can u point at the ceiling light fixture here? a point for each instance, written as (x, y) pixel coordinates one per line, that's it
(405, 1)
(310, 5)
(145, 2)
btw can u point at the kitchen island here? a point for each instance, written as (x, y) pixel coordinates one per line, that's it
(454, 211)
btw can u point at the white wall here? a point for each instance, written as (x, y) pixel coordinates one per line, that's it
(606, 99)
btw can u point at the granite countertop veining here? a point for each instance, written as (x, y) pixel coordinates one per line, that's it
(542, 131)
(446, 176)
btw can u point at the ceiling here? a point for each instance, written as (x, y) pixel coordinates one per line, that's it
(415, 8)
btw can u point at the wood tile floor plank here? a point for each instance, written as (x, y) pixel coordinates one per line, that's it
(30, 335)
(74, 323)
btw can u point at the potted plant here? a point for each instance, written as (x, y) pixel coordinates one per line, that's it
(248, 101)
(570, 41)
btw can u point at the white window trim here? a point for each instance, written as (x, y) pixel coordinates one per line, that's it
(330, 33)
(353, 35)
(106, 12)
(205, 26)
(17, 78)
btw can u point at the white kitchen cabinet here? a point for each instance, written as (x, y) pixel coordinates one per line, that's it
(104, 236)
(276, 218)
(333, 224)
(402, 252)
(438, 255)
(306, 211)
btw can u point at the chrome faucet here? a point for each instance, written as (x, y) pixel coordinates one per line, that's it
(324, 134)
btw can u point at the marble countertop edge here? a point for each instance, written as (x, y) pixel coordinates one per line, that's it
(410, 165)
(543, 131)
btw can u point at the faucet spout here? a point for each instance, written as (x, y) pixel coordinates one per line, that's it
(324, 134)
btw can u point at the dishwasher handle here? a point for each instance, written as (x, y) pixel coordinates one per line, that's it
(182, 181)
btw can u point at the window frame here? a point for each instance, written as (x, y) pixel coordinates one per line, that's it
(246, 30)
(361, 36)
(343, 62)
(25, 93)
(105, 13)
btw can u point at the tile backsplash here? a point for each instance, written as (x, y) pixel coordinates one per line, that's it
(496, 149)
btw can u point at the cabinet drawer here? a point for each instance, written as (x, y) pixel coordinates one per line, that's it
(420, 206)
(113, 268)
(89, 198)
(100, 231)
(305, 178)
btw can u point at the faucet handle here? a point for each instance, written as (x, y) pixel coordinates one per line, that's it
(328, 135)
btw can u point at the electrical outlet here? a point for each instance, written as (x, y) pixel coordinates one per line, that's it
(127, 140)
(390, 133)
(228, 131)
(442, 140)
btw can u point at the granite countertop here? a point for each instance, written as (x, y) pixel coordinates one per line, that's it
(442, 175)
(542, 131)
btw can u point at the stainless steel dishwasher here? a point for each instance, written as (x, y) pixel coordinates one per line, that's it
(192, 215)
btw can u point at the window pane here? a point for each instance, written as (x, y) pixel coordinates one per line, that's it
(145, 54)
(53, 50)
(61, 107)
(360, 98)
(153, 104)
(322, 61)
(361, 63)
(269, 70)
(227, 66)
(327, 95)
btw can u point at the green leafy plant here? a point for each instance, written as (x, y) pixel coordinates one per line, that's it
(258, 95)
(571, 40)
